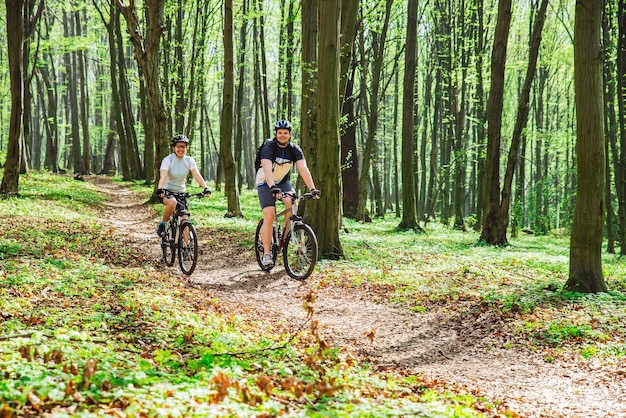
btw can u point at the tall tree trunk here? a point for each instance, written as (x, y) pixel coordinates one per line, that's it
(349, 151)
(458, 107)
(30, 19)
(108, 165)
(494, 230)
(522, 112)
(349, 154)
(84, 103)
(326, 216)
(147, 55)
(226, 135)
(585, 266)
(51, 120)
(308, 110)
(239, 107)
(180, 64)
(409, 199)
(370, 150)
(620, 168)
(133, 167)
(480, 112)
(265, 115)
(610, 122)
(539, 221)
(70, 68)
(15, 38)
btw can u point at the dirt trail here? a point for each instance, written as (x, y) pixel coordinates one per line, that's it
(424, 344)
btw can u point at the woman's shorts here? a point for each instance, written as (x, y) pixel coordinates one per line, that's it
(265, 197)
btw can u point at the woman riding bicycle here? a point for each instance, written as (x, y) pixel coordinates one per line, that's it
(173, 177)
(277, 159)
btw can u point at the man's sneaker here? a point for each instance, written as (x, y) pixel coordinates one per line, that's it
(267, 261)
(161, 228)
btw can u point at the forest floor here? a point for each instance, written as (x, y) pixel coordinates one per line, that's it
(457, 354)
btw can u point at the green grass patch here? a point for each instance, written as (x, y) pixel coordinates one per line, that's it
(90, 327)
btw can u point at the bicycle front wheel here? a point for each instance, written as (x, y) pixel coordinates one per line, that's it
(187, 248)
(168, 248)
(300, 252)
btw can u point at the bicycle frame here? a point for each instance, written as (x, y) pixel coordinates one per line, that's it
(180, 235)
(300, 250)
(294, 219)
(181, 211)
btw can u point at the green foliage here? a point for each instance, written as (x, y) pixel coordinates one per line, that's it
(89, 327)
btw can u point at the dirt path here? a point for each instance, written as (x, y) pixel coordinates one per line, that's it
(425, 344)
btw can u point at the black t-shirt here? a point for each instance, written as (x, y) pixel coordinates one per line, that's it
(282, 160)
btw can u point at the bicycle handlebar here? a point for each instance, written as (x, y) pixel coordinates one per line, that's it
(168, 193)
(296, 196)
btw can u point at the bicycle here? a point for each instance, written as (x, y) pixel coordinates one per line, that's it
(297, 242)
(180, 235)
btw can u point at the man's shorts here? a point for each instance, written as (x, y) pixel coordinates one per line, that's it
(265, 197)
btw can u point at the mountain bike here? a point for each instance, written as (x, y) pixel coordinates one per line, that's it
(180, 235)
(297, 242)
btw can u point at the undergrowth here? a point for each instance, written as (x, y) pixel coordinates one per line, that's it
(89, 327)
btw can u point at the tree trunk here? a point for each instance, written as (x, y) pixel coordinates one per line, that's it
(409, 199)
(585, 267)
(15, 38)
(522, 112)
(50, 120)
(239, 107)
(326, 215)
(458, 109)
(265, 115)
(370, 150)
(308, 110)
(147, 56)
(70, 68)
(480, 112)
(494, 229)
(226, 134)
(620, 167)
(610, 122)
(84, 103)
(349, 153)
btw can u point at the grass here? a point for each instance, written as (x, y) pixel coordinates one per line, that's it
(90, 327)
(446, 270)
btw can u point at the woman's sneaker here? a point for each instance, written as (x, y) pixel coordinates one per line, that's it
(161, 228)
(267, 261)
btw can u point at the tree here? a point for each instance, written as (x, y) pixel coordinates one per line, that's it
(147, 55)
(15, 38)
(496, 206)
(308, 104)
(409, 198)
(230, 175)
(585, 266)
(326, 217)
(620, 156)
(349, 154)
(370, 149)
(494, 232)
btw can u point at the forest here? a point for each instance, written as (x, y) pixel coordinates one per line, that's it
(464, 113)
(471, 157)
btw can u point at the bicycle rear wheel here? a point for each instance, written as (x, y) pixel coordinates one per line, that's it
(300, 255)
(168, 248)
(260, 251)
(187, 248)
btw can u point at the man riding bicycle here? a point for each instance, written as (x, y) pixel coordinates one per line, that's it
(277, 159)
